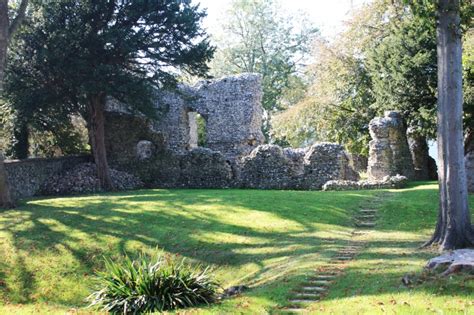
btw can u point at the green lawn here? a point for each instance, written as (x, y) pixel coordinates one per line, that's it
(269, 240)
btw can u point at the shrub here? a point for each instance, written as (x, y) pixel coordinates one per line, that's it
(142, 285)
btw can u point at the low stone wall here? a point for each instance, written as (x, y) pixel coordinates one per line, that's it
(396, 181)
(26, 176)
(266, 167)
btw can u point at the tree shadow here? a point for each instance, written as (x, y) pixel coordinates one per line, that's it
(88, 227)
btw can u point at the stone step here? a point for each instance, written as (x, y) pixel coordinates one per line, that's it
(346, 254)
(365, 216)
(318, 282)
(365, 224)
(325, 277)
(303, 301)
(306, 295)
(293, 309)
(313, 289)
(321, 283)
(348, 251)
(367, 211)
(343, 258)
(354, 247)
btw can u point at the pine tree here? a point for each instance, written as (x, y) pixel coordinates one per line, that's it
(82, 52)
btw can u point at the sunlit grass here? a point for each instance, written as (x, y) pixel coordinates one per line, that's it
(51, 247)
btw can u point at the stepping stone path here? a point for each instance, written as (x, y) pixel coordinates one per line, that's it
(316, 286)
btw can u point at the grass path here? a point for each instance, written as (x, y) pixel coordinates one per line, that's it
(270, 240)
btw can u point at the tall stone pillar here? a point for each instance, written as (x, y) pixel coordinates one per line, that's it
(389, 153)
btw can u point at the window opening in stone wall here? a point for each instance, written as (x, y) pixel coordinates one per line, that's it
(197, 130)
(201, 131)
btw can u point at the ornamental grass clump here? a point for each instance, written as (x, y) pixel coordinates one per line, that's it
(141, 286)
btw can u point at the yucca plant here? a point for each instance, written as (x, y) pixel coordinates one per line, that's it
(144, 285)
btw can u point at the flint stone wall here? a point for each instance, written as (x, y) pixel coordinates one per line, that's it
(231, 108)
(26, 176)
(163, 152)
(389, 153)
(271, 167)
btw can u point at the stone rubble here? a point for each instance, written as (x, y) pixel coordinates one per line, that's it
(388, 182)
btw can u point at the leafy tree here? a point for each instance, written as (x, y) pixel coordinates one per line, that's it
(403, 70)
(258, 37)
(85, 51)
(8, 27)
(337, 104)
(468, 89)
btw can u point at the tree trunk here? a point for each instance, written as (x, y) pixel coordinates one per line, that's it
(4, 25)
(424, 164)
(97, 137)
(453, 229)
(5, 198)
(21, 146)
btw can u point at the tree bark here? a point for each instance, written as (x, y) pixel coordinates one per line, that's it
(453, 229)
(424, 164)
(4, 36)
(5, 198)
(97, 138)
(6, 201)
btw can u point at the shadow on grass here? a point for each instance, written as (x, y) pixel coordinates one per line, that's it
(91, 226)
(227, 228)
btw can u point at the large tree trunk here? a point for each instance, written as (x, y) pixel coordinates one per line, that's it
(6, 31)
(97, 138)
(453, 229)
(424, 164)
(5, 198)
(4, 25)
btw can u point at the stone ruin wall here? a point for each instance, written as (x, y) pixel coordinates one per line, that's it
(164, 153)
(26, 176)
(394, 150)
(389, 153)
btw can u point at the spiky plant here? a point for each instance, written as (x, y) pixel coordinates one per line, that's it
(144, 285)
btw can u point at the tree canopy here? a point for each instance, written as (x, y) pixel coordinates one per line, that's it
(257, 36)
(385, 59)
(75, 54)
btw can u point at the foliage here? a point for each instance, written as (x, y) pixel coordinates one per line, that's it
(403, 70)
(144, 285)
(118, 47)
(384, 60)
(336, 106)
(468, 79)
(201, 130)
(75, 54)
(257, 36)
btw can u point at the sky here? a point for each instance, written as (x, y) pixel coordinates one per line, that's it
(327, 15)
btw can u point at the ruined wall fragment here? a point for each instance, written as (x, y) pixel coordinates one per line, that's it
(389, 153)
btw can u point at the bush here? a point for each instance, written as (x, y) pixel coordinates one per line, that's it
(140, 286)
